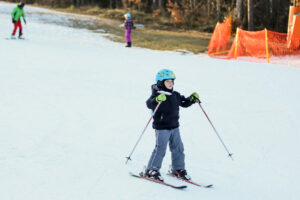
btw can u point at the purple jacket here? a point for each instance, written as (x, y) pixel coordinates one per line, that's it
(128, 24)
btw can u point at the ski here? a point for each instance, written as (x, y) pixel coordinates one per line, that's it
(141, 175)
(191, 182)
(15, 38)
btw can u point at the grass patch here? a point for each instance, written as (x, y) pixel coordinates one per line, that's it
(158, 33)
(162, 40)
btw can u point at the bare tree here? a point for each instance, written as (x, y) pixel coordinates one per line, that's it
(239, 9)
(77, 3)
(250, 15)
(219, 15)
(161, 6)
(111, 4)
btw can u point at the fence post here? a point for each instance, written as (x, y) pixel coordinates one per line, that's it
(267, 45)
(229, 28)
(236, 43)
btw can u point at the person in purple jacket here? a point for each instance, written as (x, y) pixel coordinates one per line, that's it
(128, 24)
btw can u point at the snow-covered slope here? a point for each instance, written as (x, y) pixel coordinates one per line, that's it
(72, 106)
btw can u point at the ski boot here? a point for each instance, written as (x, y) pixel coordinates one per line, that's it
(12, 37)
(154, 174)
(21, 37)
(128, 44)
(181, 174)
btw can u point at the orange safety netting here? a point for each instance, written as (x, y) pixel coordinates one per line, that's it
(220, 41)
(262, 44)
(259, 44)
(250, 44)
(279, 45)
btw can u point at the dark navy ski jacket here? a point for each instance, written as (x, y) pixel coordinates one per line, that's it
(167, 115)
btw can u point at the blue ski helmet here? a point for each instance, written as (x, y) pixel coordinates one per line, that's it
(165, 74)
(128, 15)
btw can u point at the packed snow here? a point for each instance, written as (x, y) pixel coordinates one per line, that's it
(72, 107)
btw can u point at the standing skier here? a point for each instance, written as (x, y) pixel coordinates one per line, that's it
(16, 15)
(166, 125)
(128, 24)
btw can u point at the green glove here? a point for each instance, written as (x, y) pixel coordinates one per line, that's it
(160, 98)
(195, 98)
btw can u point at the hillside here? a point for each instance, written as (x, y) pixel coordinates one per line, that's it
(73, 105)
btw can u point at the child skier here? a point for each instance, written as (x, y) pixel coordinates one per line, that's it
(165, 123)
(16, 14)
(128, 24)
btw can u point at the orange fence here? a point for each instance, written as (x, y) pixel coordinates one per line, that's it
(249, 44)
(220, 41)
(263, 44)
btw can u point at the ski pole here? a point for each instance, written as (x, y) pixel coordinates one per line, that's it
(129, 157)
(229, 154)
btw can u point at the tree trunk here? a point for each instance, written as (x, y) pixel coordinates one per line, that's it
(208, 9)
(154, 5)
(250, 15)
(239, 9)
(275, 14)
(119, 4)
(161, 7)
(77, 3)
(92, 2)
(219, 15)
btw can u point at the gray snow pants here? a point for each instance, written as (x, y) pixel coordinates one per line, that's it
(176, 148)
